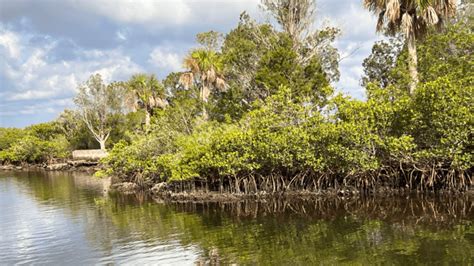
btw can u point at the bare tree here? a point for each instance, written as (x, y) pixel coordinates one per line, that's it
(297, 17)
(97, 103)
(294, 16)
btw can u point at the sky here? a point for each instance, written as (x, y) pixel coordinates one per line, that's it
(49, 47)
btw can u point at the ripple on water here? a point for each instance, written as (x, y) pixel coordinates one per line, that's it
(50, 219)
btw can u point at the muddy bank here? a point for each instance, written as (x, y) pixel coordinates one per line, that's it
(290, 195)
(77, 165)
(163, 192)
(230, 188)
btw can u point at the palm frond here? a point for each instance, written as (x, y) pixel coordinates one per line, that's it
(446, 8)
(393, 10)
(430, 16)
(380, 22)
(211, 75)
(410, 16)
(186, 79)
(191, 63)
(151, 102)
(220, 84)
(375, 6)
(162, 103)
(407, 25)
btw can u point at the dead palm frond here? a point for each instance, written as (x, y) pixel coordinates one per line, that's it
(186, 79)
(393, 10)
(407, 25)
(221, 84)
(191, 64)
(430, 16)
(211, 75)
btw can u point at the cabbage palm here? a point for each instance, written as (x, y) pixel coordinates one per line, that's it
(412, 18)
(204, 70)
(146, 93)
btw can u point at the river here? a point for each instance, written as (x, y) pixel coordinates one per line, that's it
(65, 218)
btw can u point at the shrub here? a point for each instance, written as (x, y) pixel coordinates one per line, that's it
(8, 136)
(32, 149)
(35, 144)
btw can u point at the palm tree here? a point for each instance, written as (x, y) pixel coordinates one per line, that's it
(204, 70)
(146, 93)
(412, 18)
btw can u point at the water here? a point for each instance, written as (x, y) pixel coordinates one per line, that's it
(67, 219)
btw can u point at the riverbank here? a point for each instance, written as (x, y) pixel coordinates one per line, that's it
(167, 193)
(71, 165)
(189, 191)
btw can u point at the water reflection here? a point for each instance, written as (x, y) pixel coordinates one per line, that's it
(64, 217)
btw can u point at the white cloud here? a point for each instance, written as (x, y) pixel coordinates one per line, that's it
(139, 11)
(121, 35)
(358, 36)
(33, 77)
(9, 42)
(48, 106)
(164, 58)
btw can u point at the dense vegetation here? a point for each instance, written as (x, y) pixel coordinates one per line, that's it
(255, 111)
(35, 144)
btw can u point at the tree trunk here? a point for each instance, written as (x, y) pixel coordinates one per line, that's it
(102, 144)
(147, 118)
(204, 94)
(412, 63)
(205, 116)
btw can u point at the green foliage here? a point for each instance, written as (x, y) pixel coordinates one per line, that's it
(8, 137)
(258, 60)
(280, 66)
(33, 149)
(439, 54)
(79, 137)
(44, 131)
(279, 136)
(448, 53)
(211, 40)
(145, 92)
(351, 142)
(431, 130)
(141, 155)
(378, 66)
(34, 144)
(443, 122)
(138, 161)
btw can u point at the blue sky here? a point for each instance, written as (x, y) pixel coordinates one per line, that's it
(48, 47)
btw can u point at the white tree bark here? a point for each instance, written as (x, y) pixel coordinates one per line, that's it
(102, 144)
(412, 63)
(147, 118)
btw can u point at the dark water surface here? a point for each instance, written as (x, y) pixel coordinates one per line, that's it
(66, 219)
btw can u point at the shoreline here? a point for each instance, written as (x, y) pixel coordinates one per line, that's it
(162, 192)
(67, 166)
(166, 195)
